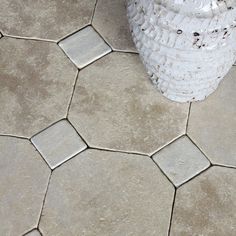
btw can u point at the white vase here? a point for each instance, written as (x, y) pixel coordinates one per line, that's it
(187, 46)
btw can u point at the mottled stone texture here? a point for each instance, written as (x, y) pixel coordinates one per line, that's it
(44, 19)
(212, 123)
(36, 83)
(102, 193)
(206, 205)
(24, 178)
(119, 108)
(111, 21)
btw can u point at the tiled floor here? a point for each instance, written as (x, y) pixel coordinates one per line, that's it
(88, 147)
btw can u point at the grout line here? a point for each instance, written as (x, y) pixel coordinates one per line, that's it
(106, 41)
(25, 234)
(167, 144)
(72, 94)
(224, 166)
(125, 51)
(78, 132)
(67, 56)
(47, 127)
(199, 149)
(41, 234)
(172, 212)
(35, 148)
(64, 162)
(29, 38)
(44, 199)
(77, 30)
(105, 149)
(102, 37)
(163, 173)
(73, 32)
(14, 136)
(118, 151)
(95, 60)
(30, 231)
(189, 110)
(195, 176)
(94, 9)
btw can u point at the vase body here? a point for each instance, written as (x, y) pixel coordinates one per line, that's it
(187, 46)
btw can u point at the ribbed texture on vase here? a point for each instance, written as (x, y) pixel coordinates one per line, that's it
(186, 56)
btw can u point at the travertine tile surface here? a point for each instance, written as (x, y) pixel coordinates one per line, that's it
(181, 161)
(121, 110)
(45, 92)
(44, 19)
(84, 47)
(111, 21)
(102, 193)
(58, 143)
(206, 205)
(36, 82)
(212, 123)
(24, 178)
(33, 233)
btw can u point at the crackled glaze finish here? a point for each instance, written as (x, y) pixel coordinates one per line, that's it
(184, 44)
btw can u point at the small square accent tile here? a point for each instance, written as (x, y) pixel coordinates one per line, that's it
(58, 143)
(35, 232)
(181, 161)
(84, 47)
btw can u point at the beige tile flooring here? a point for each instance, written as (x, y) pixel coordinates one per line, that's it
(88, 147)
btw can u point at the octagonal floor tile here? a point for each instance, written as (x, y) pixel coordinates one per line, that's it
(44, 19)
(110, 19)
(24, 178)
(115, 106)
(212, 123)
(100, 193)
(206, 205)
(36, 84)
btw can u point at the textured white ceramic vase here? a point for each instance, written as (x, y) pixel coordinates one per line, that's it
(187, 46)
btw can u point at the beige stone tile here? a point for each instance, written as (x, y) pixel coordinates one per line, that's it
(84, 47)
(24, 178)
(115, 106)
(206, 205)
(212, 123)
(33, 233)
(44, 19)
(36, 83)
(111, 21)
(102, 193)
(58, 143)
(181, 161)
